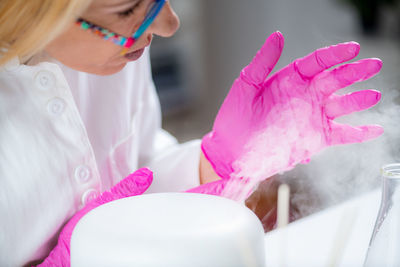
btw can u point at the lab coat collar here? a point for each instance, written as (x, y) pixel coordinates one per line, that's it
(11, 64)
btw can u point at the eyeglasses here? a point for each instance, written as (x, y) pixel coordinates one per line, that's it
(125, 42)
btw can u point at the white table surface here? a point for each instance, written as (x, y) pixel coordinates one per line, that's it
(338, 236)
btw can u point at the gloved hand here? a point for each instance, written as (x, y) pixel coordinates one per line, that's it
(268, 125)
(133, 185)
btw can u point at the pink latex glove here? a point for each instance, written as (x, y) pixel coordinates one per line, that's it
(133, 185)
(268, 125)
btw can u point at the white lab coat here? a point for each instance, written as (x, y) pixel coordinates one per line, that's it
(66, 136)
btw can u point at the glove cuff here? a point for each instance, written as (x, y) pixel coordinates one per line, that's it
(220, 160)
(213, 188)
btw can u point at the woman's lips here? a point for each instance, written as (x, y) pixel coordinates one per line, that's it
(131, 56)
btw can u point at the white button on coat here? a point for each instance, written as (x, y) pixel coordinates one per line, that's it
(82, 174)
(45, 80)
(56, 106)
(89, 195)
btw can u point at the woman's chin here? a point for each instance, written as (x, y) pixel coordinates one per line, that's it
(104, 71)
(98, 69)
(111, 70)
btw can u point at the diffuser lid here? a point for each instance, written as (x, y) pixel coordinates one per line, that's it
(169, 229)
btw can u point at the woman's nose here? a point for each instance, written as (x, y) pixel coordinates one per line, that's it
(166, 23)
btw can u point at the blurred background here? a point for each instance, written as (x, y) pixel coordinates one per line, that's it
(194, 70)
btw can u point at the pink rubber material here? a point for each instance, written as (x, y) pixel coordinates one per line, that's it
(267, 125)
(133, 185)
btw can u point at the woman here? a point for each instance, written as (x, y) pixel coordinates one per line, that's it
(68, 135)
(76, 118)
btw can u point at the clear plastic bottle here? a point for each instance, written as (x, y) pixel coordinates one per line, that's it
(384, 247)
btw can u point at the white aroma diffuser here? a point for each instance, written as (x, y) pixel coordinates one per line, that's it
(169, 229)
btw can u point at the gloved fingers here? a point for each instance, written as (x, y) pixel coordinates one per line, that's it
(324, 58)
(345, 75)
(346, 134)
(340, 105)
(134, 184)
(265, 60)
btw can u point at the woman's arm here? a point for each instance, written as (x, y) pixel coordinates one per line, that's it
(206, 171)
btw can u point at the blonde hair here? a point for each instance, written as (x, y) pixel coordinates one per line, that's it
(27, 26)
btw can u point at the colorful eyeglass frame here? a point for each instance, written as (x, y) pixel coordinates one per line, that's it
(117, 39)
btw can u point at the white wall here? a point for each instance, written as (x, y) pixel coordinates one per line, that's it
(236, 29)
